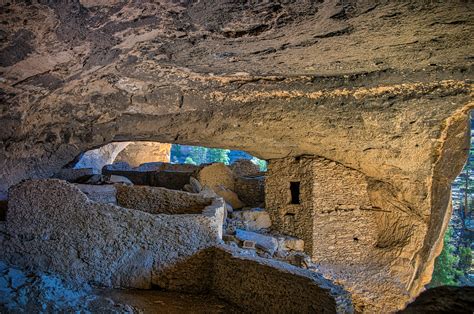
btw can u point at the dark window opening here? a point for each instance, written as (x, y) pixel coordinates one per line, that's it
(295, 192)
(3, 210)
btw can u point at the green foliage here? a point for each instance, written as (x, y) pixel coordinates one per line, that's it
(445, 270)
(190, 161)
(465, 259)
(218, 155)
(262, 164)
(199, 155)
(176, 152)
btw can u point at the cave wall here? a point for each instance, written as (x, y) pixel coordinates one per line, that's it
(99, 157)
(383, 89)
(138, 153)
(53, 227)
(344, 221)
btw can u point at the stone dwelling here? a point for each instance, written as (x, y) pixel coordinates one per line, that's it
(323, 203)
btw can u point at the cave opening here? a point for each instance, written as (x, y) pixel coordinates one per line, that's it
(454, 265)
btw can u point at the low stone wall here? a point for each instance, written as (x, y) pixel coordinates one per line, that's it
(52, 226)
(170, 179)
(157, 200)
(105, 193)
(255, 284)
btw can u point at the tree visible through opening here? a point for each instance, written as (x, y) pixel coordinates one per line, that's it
(454, 265)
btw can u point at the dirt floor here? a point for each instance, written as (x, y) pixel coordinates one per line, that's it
(155, 301)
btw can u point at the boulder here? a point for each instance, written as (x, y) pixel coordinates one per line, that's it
(208, 192)
(263, 242)
(254, 219)
(251, 190)
(290, 244)
(195, 184)
(138, 153)
(229, 196)
(244, 167)
(216, 175)
(444, 299)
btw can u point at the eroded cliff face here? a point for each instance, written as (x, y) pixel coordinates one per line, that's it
(383, 89)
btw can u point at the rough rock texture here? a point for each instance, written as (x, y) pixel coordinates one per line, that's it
(343, 221)
(215, 176)
(99, 157)
(244, 167)
(99, 193)
(28, 292)
(229, 196)
(381, 88)
(166, 175)
(264, 242)
(138, 153)
(251, 190)
(52, 227)
(292, 217)
(444, 299)
(73, 175)
(264, 286)
(157, 200)
(255, 219)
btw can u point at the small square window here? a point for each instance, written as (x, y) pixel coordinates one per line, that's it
(295, 192)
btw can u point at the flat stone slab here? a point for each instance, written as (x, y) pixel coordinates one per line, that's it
(264, 242)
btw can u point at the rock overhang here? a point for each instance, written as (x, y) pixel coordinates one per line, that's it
(383, 89)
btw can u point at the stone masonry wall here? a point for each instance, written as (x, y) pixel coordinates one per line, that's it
(53, 227)
(344, 223)
(157, 200)
(292, 219)
(255, 284)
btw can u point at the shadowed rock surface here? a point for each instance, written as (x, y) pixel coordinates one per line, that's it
(383, 89)
(445, 299)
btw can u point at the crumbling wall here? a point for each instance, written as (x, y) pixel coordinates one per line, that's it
(292, 219)
(157, 200)
(53, 227)
(256, 285)
(170, 176)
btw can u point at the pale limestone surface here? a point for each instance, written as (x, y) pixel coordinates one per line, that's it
(138, 153)
(99, 157)
(52, 226)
